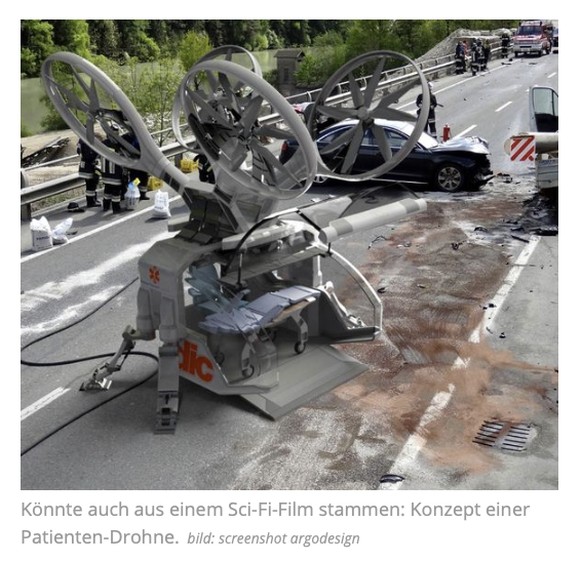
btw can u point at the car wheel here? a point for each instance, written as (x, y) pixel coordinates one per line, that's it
(450, 178)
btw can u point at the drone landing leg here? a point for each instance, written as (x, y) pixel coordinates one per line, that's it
(168, 387)
(100, 377)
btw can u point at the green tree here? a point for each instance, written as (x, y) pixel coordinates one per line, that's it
(326, 56)
(157, 87)
(73, 36)
(370, 35)
(150, 87)
(159, 33)
(297, 33)
(273, 40)
(36, 39)
(415, 37)
(192, 47)
(105, 39)
(311, 73)
(136, 42)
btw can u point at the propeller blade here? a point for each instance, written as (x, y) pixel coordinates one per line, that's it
(373, 82)
(90, 128)
(72, 100)
(355, 91)
(393, 114)
(336, 112)
(206, 110)
(227, 88)
(251, 113)
(353, 149)
(383, 144)
(274, 132)
(394, 96)
(239, 155)
(270, 166)
(338, 142)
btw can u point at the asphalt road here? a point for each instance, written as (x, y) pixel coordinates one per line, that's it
(470, 295)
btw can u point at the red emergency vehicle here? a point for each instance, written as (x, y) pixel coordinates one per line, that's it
(533, 37)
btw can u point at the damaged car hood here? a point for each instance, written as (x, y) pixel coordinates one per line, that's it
(473, 144)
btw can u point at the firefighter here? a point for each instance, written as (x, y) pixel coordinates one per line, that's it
(481, 61)
(460, 61)
(141, 175)
(474, 58)
(88, 170)
(505, 41)
(486, 53)
(430, 126)
(112, 177)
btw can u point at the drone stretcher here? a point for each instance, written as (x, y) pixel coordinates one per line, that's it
(249, 299)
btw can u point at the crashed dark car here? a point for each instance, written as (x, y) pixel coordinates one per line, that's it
(458, 164)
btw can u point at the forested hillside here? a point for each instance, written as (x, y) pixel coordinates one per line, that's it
(148, 58)
(151, 40)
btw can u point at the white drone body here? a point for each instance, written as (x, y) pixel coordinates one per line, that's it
(248, 299)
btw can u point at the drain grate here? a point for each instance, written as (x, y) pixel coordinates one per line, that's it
(507, 436)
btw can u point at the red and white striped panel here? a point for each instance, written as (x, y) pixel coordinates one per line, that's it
(522, 148)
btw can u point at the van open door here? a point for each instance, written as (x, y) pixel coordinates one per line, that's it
(543, 109)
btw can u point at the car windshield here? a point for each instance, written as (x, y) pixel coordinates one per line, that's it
(529, 30)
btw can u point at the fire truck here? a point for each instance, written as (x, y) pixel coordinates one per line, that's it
(533, 37)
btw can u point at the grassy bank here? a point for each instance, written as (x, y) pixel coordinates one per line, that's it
(32, 110)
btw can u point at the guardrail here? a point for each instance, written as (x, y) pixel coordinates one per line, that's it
(51, 188)
(33, 194)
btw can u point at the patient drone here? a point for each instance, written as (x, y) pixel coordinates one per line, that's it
(249, 297)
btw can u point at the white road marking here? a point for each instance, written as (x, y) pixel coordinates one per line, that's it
(71, 313)
(56, 290)
(463, 133)
(415, 443)
(44, 401)
(508, 283)
(503, 106)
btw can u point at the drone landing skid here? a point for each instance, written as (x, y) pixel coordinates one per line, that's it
(305, 377)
